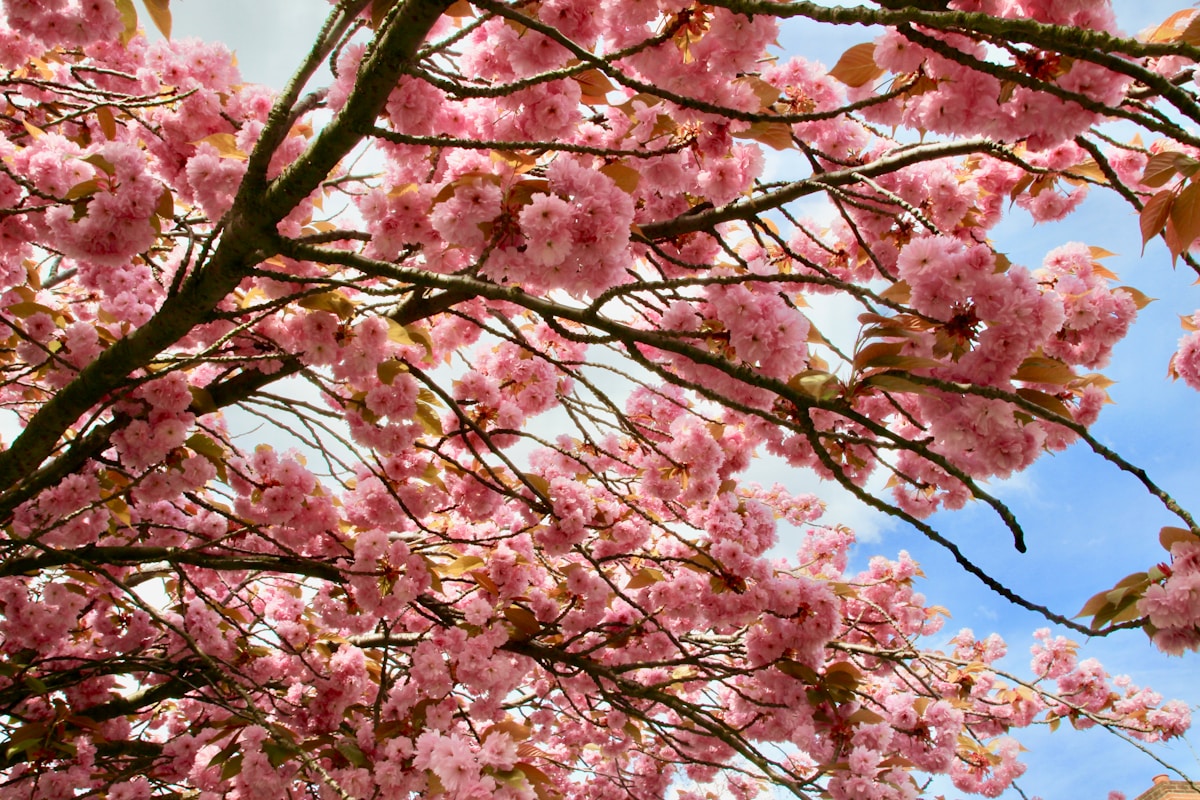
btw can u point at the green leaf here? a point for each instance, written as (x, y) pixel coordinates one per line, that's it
(797, 670)
(407, 334)
(820, 386)
(27, 308)
(388, 370)
(277, 754)
(214, 453)
(429, 419)
(25, 738)
(353, 753)
(82, 190)
(232, 767)
(202, 401)
(101, 163)
(128, 19)
(334, 302)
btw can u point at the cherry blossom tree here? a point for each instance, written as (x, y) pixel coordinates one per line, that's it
(514, 303)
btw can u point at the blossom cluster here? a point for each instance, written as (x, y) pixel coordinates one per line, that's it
(497, 536)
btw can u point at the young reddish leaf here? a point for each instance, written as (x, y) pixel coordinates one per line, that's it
(540, 484)
(865, 716)
(277, 754)
(459, 566)
(646, 576)
(1131, 581)
(843, 673)
(906, 363)
(797, 670)
(1039, 369)
(816, 337)
(1021, 186)
(1087, 169)
(1185, 215)
(352, 753)
(1127, 610)
(866, 357)
(1046, 401)
(857, 66)
(379, 9)
(482, 578)
(1170, 28)
(1175, 245)
(767, 93)
(1161, 167)
(160, 14)
(524, 621)
(1170, 535)
(82, 190)
(1155, 215)
(517, 731)
(108, 123)
(594, 86)
(625, 177)
(1191, 34)
(777, 135)
(898, 292)
(226, 145)
(893, 382)
(33, 130)
(1140, 299)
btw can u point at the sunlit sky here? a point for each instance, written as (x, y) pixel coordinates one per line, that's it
(1087, 525)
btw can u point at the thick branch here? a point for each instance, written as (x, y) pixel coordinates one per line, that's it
(247, 239)
(757, 206)
(132, 556)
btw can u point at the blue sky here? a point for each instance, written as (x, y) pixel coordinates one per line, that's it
(1088, 525)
